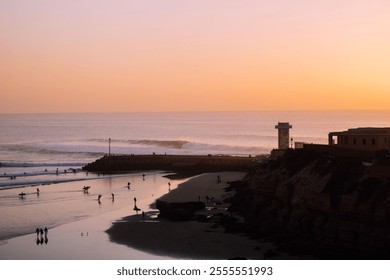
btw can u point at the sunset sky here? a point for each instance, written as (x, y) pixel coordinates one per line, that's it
(144, 55)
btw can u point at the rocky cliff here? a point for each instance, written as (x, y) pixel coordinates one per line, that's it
(318, 204)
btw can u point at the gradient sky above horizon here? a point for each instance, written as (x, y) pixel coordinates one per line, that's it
(247, 55)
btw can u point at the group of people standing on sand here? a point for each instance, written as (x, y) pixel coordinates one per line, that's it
(43, 238)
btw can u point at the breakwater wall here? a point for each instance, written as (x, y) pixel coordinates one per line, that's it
(174, 163)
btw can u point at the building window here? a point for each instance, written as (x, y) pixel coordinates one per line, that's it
(364, 141)
(354, 141)
(373, 141)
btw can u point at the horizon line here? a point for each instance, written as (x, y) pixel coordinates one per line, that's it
(194, 112)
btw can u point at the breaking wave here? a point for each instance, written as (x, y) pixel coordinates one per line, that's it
(28, 164)
(175, 144)
(184, 145)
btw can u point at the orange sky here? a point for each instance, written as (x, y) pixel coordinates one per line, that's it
(123, 56)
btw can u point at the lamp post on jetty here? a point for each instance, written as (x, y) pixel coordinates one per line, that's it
(109, 146)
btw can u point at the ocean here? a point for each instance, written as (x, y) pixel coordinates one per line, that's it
(48, 151)
(34, 146)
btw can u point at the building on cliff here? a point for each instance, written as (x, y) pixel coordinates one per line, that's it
(283, 135)
(283, 139)
(367, 139)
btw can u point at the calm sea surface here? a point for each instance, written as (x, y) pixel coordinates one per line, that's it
(32, 147)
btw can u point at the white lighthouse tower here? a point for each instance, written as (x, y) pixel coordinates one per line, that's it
(283, 135)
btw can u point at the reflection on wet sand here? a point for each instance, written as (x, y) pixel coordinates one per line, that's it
(42, 233)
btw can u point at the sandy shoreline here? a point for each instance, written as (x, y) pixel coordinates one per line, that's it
(76, 221)
(190, 239)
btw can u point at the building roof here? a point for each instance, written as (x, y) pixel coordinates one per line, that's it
(364, 131)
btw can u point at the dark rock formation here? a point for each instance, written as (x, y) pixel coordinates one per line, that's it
(178, 211)
(313, 203)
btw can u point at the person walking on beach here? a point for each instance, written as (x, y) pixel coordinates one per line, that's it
(41, 231)
(112, 195)
(37, 231)
(38, 191)
(136, 209)
(128, 185)
(99, 196)
(46, 230)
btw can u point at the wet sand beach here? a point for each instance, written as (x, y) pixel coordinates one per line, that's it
(76, 221)
(191, 239)
(82, 228)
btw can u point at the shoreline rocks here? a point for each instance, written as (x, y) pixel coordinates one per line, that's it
(178, 211)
